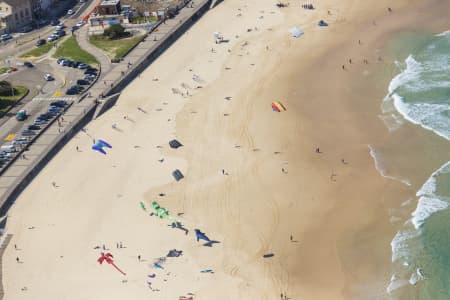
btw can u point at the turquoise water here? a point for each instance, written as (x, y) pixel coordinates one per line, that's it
(421, 95)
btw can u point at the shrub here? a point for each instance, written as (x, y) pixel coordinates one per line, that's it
(6, 88)
(114, 31)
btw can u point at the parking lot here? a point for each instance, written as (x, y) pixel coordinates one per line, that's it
(66, 81)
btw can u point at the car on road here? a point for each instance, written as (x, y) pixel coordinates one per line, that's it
(28, 132)
(70, 12)
(21, 115)
(34, 127)
(28, 64)
(40, 42)
(83, 66)
(49, 77)
(5, 37)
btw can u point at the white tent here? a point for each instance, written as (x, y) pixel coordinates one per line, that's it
(296, 32)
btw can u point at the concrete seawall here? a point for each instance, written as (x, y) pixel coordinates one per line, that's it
(8, 198)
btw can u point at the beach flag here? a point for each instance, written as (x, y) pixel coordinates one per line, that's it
(278, 106)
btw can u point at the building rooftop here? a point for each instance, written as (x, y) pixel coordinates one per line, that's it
(109, 2)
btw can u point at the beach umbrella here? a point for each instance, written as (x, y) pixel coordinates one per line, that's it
(296, 32)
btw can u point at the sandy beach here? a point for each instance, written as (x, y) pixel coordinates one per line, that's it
(254, 181)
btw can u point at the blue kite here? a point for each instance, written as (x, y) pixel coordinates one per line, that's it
(201, 236)
(98, 146)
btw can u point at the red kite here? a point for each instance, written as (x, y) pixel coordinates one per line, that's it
(108, 257)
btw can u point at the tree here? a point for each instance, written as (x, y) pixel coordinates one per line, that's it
(114, 31)
(6, 89)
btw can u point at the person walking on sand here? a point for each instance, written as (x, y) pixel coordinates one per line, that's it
(17, 259)
(343, 67)
(15, 246)
(139, 258)
(54, 184)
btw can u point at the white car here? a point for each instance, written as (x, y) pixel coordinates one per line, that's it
(70, 12)
(49, 77)
(80, 24)
(52, 38)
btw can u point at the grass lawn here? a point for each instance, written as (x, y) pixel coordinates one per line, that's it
(71, 49)
(38, 51)
(7, 101)
(117, 48)
(3, 70)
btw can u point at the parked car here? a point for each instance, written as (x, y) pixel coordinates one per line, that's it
(59, 59)
(40, 42)
(52, 38)
(53, 109)
(54, 22)
(45, 116)
(60, 26)
(82, 82)
(70, 12)
(66, 62)
(80, 24)
(89, 77)
(28, 64)
(26, 29)
(5, 37)
(58, 103)
(75, 64)
(33, 127)
(21, 115)
(61, 33)
(39, 121)
(49, 77)
(72, 91)
(83, 66)
(28, 132)
(91, 69)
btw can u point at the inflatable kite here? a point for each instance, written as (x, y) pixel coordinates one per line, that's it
(108, 257)
(161, 211)
(201, 235)
(278, 106)
(98, 146)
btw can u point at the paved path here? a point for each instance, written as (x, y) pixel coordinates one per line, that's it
(83, 40)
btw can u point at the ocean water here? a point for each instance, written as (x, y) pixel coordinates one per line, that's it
(420, 94)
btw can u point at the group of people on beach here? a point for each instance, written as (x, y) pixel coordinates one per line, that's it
(307, 6)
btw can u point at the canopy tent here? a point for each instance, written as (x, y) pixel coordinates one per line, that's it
(278, 106)
(175, 144)
(177, 175)
(296, 32)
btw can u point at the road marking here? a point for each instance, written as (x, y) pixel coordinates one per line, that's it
(57, 94)
(10, 137)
